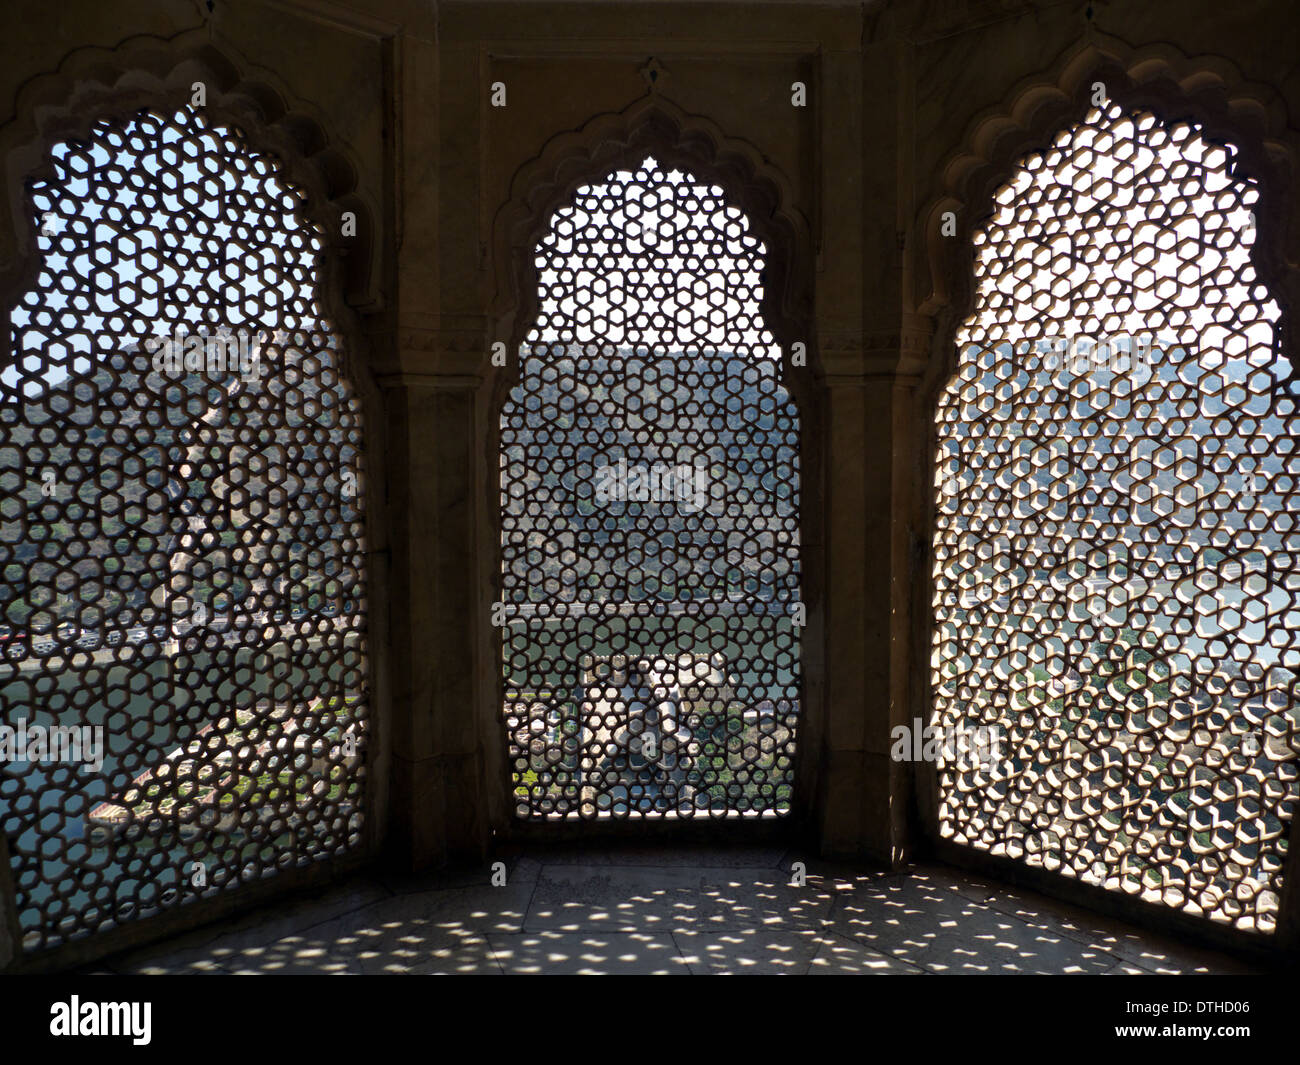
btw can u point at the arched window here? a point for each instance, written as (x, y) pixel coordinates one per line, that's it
(649, 509)
(183, 670)
(1115, 547)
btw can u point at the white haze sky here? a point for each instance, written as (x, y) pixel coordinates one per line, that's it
(85, 325)
(671, 266)
(673, 248)
(1036, 255)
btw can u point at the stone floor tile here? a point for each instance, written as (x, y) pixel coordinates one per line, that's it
(769, 898)
(840, 956)
(339, 947)
(217, 943)
(663, 858)
(699, 910)
(587, 953)
(629, 899)
(1149, 951)
(755, 951)
(927, 922)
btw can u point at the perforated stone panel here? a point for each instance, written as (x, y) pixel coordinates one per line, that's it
(180, 535)
(1115, 548)
(649, 509)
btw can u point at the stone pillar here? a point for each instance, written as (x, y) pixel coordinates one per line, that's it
(864, 797)
(10, 932)
(433, 363)
(858, 789)
(439, 809)
(861, 799)
(1288, 918)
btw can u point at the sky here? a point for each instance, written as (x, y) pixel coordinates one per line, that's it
(653, 258)
(107, 279)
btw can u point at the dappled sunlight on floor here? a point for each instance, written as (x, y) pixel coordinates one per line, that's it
(681, 910)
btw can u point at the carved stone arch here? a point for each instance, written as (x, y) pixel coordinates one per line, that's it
(619, 140)
(613, 141)
(94, 83)
(1207, 90)
(157, 74)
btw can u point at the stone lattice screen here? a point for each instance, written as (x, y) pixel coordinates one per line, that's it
(1116, 547)
(649, 507)
(180, 535)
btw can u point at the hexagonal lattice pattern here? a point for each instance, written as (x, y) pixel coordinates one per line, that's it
(1115, 550)
(180, 535)
(649, 507)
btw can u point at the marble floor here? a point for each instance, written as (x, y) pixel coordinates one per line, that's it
(672, 911)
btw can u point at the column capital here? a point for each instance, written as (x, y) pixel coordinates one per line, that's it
(435, 351)
(851, 357)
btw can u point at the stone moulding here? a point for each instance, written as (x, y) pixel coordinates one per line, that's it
(651, 125)
(1207, 89)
